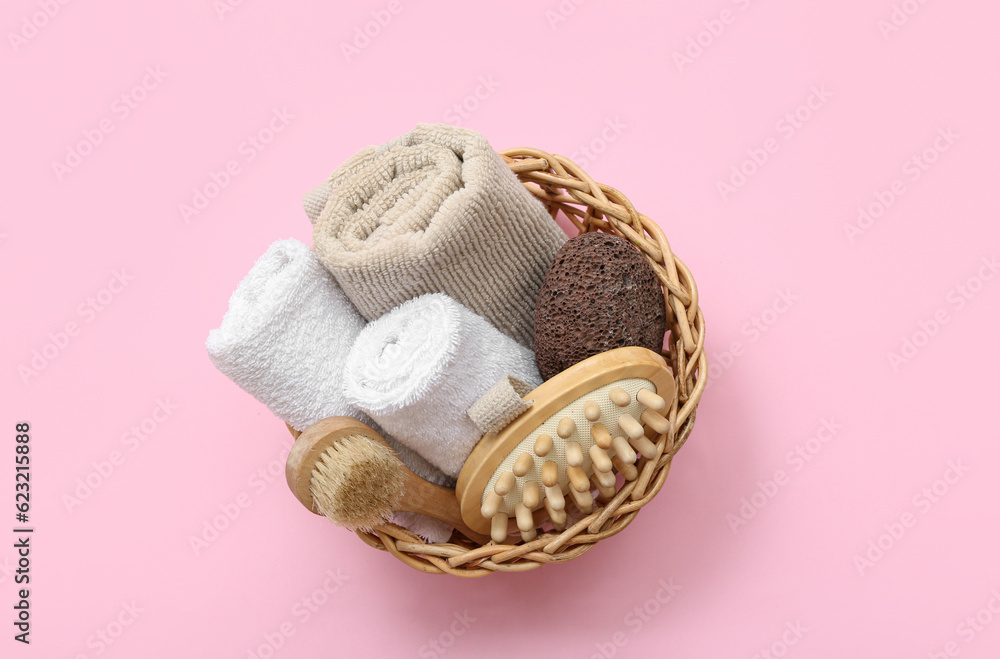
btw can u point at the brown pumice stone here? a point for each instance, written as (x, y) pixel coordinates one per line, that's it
(599, 294)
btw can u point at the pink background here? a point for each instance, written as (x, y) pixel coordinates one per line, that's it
(798, 578)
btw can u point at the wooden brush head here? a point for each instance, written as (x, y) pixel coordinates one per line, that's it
(344, 470)
(587, 424)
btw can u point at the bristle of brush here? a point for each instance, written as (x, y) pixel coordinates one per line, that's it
(357, 483)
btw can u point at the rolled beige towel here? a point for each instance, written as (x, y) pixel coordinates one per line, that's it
(435, 211)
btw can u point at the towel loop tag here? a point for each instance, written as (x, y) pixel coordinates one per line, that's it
(501, 404)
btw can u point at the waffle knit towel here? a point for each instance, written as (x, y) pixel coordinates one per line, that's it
(417, 370)
(284, 340)
(436, 211)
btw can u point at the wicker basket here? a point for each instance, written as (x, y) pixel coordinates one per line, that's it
(591, 206)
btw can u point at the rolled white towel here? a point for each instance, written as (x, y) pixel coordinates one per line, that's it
(286, 334)
(418, 369)
(284, 340)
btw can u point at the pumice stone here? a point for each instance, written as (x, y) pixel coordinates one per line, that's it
(599, 294)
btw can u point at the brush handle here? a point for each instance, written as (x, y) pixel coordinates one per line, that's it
(426, 498)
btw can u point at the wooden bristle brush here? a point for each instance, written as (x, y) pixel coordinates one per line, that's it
(342, 469)
(587, 424)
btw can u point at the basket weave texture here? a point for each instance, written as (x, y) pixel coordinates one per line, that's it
(590, 206)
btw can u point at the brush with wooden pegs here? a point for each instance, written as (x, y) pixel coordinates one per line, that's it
(341, 468)
(587, 424)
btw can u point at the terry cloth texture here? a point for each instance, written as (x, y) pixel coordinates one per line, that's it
(284, 340)
(286, 334)
(501, 404)
(314, 200)
(417, 370)
(436, 211)
(428, 528)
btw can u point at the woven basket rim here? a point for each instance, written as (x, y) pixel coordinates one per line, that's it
(564, 187)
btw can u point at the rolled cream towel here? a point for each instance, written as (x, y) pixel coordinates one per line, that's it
(418, 369)
(435, 211)
(284, 340)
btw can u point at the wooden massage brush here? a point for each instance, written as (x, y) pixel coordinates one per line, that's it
(587, 423)
(341, 468)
